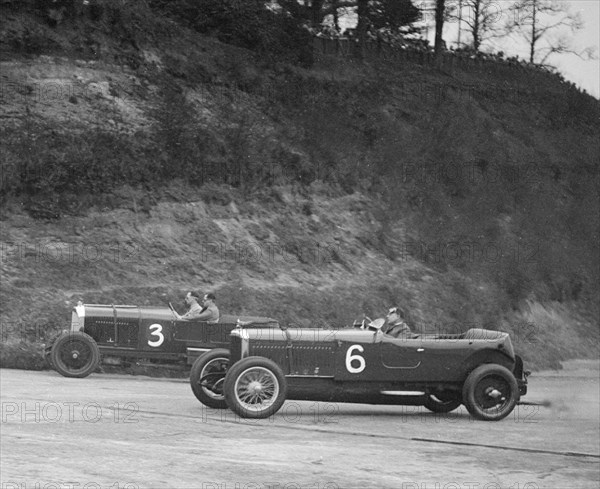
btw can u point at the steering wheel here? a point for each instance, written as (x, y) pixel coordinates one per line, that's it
(377, 324)
(365, 322)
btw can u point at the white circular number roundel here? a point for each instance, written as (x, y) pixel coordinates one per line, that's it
(155, 330)
(355, 358)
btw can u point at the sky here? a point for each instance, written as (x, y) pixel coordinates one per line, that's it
(584, 73)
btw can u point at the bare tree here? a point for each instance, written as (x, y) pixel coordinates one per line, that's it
(539, 22)
(482, 20)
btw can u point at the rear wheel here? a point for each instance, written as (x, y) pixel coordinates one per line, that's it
(490, 392)
(74, 354)
(442, 403)
(255, 387)
(207, 377)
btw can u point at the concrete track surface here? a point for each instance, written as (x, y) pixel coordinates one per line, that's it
(122, 432)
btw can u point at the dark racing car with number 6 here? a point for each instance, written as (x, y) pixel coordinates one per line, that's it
(264, 367)
(117, 334)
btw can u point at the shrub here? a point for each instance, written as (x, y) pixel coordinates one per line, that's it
(244, 23)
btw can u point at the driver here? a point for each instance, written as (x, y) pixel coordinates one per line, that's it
(394, 324)
(192, 299)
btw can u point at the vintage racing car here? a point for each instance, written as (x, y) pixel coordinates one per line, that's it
(135, 332)
(264, 367)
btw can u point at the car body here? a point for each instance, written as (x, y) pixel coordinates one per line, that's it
(478, 368)
(116, 332)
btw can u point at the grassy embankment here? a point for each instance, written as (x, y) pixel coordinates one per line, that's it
(141, 159)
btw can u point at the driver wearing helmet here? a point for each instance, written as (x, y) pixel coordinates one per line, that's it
(395, 325)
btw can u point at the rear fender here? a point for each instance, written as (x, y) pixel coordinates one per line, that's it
(521, 375)
(486, 356)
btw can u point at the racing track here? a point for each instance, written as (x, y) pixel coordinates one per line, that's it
(117, 431)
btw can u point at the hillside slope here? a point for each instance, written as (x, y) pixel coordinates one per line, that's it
(134, 171)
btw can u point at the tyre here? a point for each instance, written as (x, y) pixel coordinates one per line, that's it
(255, 387)
(440, 403)
(74, 354)
(48, 350)
(207, 377)
(490, 392)
(48, 357)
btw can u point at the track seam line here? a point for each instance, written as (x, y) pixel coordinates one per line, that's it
(374, 435)
(500, 447)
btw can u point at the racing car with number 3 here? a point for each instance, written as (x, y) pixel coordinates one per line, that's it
(116, 333)
(264, 367)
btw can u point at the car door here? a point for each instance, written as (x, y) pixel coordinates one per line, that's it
(423, 358)
(403, 355)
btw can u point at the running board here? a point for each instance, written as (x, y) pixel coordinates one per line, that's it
(402, 393)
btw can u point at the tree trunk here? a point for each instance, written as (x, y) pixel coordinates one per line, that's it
(362, 10)
(459, 22)
(533, 31)
(440, 7)
(336, 16)
(476, 38)
(316, 7)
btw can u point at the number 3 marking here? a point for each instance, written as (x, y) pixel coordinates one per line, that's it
(355, 358)
(157, 332)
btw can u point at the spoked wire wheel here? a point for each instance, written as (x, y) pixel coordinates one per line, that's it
(75, 354)
(255, 387)
(207, 377)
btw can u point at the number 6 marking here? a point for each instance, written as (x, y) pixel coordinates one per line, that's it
(157, 332)
(350, 358)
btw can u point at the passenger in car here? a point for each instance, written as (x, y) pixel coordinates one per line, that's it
(210, 311)
(395, 325)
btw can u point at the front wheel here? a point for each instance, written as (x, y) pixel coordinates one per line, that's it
(207, 377)
(74, 354)
(490, 392)
(48, 349)
(255, 387)
(439, 403)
